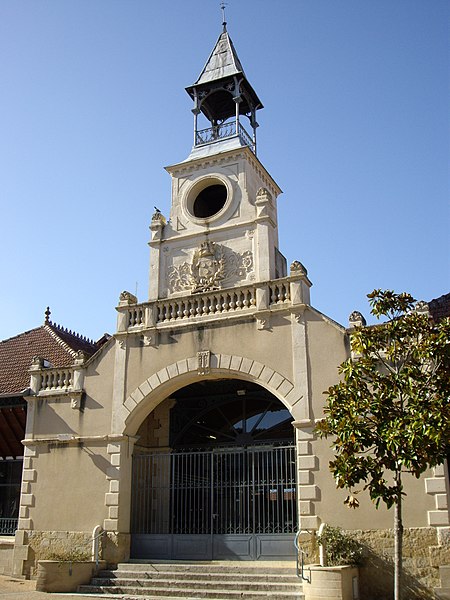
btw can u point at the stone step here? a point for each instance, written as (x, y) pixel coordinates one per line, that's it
(266, 585)
(192, 575)
(218, 580)
(189, 593)
(282, 568)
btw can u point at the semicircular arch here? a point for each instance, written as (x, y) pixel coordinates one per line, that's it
(167, 380)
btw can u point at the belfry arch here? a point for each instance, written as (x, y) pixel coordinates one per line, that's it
(214, 474)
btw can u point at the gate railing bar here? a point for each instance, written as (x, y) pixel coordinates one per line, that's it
(250, 491)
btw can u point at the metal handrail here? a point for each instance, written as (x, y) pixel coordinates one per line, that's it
(301, 567)
(95, 539)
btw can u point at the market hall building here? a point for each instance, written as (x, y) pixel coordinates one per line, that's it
(188, 434)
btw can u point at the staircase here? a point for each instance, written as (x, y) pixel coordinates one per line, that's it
(191, 581)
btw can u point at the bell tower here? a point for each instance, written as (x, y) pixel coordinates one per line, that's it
(222, 231)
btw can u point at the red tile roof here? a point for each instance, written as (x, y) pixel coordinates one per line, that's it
(51, 342)
(440, 307)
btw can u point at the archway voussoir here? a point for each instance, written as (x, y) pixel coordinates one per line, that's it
(256, 369)
(172, 370)
(130, 404)
(153, 381)
(137, 395)
(246, 365)
(192, 363)
(182, 366)
(276, 380)
(266, 374)
(285, 387)
(163, 375)
(225, 361)
(145, 388)
(235, 364)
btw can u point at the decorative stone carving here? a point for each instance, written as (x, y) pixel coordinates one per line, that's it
(208, 267)
(262, 324)
(356, 319)
(37, 362)
(203, 362)
(81, 357)
(127, 298)
(148, 339)
(158, 217)
(298, 269)
(213, 266)
(157, 225)
(263, 203)
(263, 196)
(75, 402)
(421, 307)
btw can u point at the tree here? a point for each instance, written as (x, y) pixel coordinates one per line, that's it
(390, 413)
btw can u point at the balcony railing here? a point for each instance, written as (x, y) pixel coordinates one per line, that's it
(222, 132)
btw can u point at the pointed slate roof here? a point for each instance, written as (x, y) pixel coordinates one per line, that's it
(222, 62)
(221, 78)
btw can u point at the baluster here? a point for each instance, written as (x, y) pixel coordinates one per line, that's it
(171, 311)
(225, 303)
(232, 301)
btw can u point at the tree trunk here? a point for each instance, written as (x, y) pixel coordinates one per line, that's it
(398, 542)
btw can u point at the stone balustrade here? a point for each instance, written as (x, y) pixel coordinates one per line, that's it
(234, 302)
(49, 380)
(56, 379)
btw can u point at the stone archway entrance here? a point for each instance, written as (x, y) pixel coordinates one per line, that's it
(225, 486)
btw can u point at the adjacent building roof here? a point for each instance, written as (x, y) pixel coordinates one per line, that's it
(58, 347)
(52, 342)
(440, 307)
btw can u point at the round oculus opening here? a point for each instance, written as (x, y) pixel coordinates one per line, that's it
(209, 201)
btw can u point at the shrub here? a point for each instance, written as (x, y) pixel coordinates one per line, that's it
(340, 547)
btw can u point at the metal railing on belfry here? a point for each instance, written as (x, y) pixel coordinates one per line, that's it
(222, 132)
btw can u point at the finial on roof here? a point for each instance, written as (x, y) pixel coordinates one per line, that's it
(47, 315)
(224, 23)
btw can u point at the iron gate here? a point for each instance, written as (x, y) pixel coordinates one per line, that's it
(215, 504)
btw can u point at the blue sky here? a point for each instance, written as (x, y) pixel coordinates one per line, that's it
(354, 130)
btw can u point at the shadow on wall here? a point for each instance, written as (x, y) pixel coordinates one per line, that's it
(376, 579)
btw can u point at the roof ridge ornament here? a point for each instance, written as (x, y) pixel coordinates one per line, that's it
(224, 23)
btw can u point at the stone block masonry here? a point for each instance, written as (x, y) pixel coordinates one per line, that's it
(423, 554)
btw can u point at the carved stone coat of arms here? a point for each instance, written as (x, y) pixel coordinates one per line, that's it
(212, 267)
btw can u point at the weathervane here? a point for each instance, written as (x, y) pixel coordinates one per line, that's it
(224, 23)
